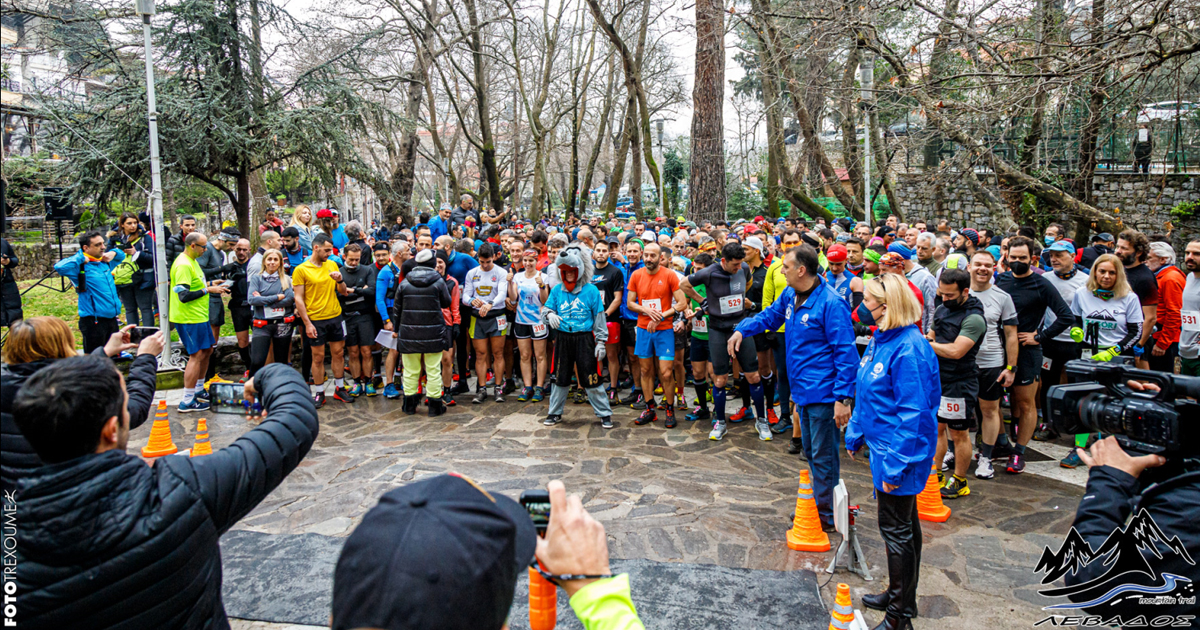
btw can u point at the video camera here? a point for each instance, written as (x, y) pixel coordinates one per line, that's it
(1098, 399)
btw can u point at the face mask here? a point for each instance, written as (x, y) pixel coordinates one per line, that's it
(954, 305)
(864, 315)
(1049, 240)
(1018, 268)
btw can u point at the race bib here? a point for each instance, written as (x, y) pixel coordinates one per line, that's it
(700, 325)
(731, 304)
(1189, 321)
(502, 322)
(952, 408)
(273, 312)
(654, 305)
(1047, 362)
(539, 330)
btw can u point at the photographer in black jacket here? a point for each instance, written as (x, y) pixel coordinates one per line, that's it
(105, 541)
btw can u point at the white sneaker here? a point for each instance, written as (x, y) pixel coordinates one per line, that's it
(948, 460)
(984, 469)
(718, 431)
(764, 430)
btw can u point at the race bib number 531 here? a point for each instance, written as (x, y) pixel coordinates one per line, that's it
(1189, 321)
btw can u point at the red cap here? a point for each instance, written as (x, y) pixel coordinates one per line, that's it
(836, 254)
(325, 213)
(758, 219)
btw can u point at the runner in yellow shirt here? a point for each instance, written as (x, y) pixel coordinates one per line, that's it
(316, 283)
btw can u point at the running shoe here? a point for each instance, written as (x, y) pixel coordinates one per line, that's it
(745, 413)
(772, 419)
(377, 381)
(647, 417)
(499, 396)
(625, 384)
(783, 426)
(1001, 451)
(448, 399)
(948, 460)
(613, 396)
(480, 396)
(1072, 460)
(356, 391)
(552, 420)
(202, 394)
(640, 403)
(510, 386)
(196, 405)
(1016, 464)
(341, 394)
(1045, 433)
(369, 390)
(669, 410)
(634, 396)
(718, 431)
(699, 413)
(606, 422)
(941, 479)
(319, 399)
(955, 488)
(658, 389)
(984, 470)
(764, 430)
(578, 396)
(539, 393)
(461, 387)
(391, 392)
(795, 448)
(526, 394)
(245, 375)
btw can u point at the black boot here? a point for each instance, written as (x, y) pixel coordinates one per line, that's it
(436, 407)
(410, 404)
(894, 623)
(878, 601)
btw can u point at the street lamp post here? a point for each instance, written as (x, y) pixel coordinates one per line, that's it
(866, 74)
(145, 8)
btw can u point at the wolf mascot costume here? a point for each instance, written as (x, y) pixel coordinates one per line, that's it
(576, 310)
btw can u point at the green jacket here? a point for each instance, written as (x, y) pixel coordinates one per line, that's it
(606, 605)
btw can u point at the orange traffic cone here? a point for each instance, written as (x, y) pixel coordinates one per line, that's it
(202, 446)
(842, 614)
(160, 435)
(929, 502)
(543, 602)
(806, 533)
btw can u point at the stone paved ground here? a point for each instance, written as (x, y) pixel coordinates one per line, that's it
(667, 495)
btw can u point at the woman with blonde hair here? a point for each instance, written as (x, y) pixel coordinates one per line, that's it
(302, 220)
(269, 293)
(36, 342)
(1108, 314)
(897, 395)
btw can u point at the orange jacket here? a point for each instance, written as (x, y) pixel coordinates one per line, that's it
(1170, 300)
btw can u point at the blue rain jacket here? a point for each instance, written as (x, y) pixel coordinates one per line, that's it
(99, 298)
(895, 411)
(383, 290)
(627, 270)
(819, 336)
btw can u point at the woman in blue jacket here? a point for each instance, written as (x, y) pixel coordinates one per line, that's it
(897, 397)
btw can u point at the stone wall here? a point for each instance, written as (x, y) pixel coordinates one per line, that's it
(1141, 201)
(38, 259)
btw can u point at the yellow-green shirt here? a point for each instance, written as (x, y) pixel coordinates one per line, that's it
(186, 271)
(774, 284)
(320, 289)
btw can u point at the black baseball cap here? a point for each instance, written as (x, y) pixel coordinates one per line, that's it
(438, 553)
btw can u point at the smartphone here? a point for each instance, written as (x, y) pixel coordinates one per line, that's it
(227, 397)
(537, 504)
(141, 332)
(228, 284)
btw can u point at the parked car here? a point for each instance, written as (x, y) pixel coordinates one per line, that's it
(1166, 110)
(624, 202)
(902, 129)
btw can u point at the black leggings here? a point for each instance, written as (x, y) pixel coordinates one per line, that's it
(260, 346)
(901, 530)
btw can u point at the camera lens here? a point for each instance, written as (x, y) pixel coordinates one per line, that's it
(1102, 413)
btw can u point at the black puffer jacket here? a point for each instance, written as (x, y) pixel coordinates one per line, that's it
(105, 541)
(174, 247)
(418, 309)
(10, 293)
(17, 458)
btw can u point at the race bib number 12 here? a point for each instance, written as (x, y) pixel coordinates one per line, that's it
(654, 305)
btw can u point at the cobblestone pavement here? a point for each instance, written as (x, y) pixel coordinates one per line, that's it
(667, 495)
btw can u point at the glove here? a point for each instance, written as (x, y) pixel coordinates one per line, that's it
(1138, 350)
(1077, 334)
(1105, 355)
(600, 352)
(703, 307)
(554, 320)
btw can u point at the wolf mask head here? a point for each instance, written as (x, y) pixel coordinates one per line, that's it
(573, 267)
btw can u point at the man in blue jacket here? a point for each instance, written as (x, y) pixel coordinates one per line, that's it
(822, 364)
(90, 270)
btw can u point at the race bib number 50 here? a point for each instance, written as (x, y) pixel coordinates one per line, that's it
(952, 408)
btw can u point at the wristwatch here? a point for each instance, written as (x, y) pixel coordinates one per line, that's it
(848, 401)
(1010, 368)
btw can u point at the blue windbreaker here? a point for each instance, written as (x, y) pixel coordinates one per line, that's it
(383, 290)
(895, 411)
(460, 264)
(840, 284)
(819, 336)
(99, 298)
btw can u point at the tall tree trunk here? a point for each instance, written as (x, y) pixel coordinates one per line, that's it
(1047, 32)
(707, 177)
(939, 60)
(601, 134)
(1097, 94)
(489, 172)
(854, 162)
(628, 126)
(404, 174)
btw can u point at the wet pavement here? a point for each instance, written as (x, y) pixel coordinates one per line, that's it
(665, 495)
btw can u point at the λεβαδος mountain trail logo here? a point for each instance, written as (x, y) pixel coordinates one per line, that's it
(1124, 573)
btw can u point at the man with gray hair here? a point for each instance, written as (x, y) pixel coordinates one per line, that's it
(1164, 345)
(926, 244)
(466, 208)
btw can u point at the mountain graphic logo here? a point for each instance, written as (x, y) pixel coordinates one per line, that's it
(1129, 553)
